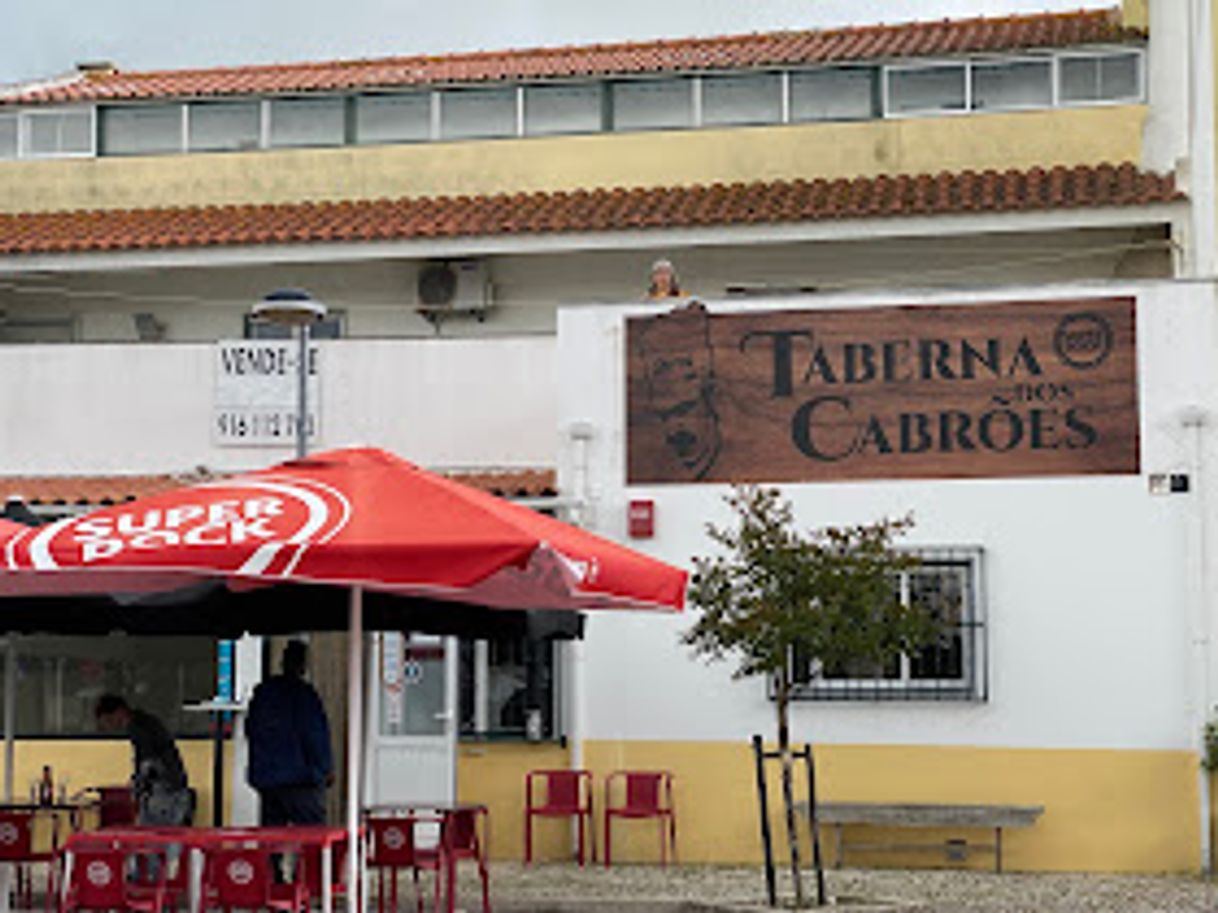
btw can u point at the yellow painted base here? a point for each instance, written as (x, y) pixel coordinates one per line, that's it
(107, 762)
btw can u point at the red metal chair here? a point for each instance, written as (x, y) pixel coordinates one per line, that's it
(242, 877)
(391, 849)
(568, 793)
(311, 853)
(643, 794)
(98, 881)
(17, 848)
(459, 840)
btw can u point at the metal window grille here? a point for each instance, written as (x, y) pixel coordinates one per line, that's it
(948, 582)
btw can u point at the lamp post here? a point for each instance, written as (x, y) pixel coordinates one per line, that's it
(295, 309)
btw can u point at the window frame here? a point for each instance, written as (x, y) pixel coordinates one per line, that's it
(878, 93)
(1049, 59)
(27, 115)
(601, 87)
(183, 127)
(889, 70)
(267, 139)
(1138, 52)
(972, 687)
(781, 84)
(437, 110)
(480, 696)
(691, 78)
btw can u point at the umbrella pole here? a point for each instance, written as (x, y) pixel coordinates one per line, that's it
(355, 738)
(10, 714)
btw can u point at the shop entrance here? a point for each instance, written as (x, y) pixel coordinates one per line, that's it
(413, 704)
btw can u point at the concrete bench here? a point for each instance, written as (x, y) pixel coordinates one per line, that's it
(908, 814)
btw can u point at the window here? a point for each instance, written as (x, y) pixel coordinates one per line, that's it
(752, 99)
(16, 328)
(402, 118)
(68, 132)
(1013, 84)
(60, 679)
(8, 136)
(501, 681)
(331, 327)
(477, 113)
(652, 104)
(308, 122)
(1101, 77)
(926, 89)
(948, 583)
(837, 93)
(563, 108)
(141, 129)
(225, 126)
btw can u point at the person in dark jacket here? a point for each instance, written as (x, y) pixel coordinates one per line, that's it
(289, 745)
(159, 781)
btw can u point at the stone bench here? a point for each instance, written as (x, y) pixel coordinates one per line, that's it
(909, 814)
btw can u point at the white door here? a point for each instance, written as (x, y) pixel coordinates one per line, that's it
(413, 704)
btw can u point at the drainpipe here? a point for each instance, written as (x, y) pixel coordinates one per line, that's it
(581, 434)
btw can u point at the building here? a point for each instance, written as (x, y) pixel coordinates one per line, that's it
(477, 220)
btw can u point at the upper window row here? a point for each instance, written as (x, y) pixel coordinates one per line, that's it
(825, 94)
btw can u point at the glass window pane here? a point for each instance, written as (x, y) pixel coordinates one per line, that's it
(308, 122)
(60, 132)
(652, 104)
(1119, 76)
(141, 129)
(563, 109)
(846, 93)
(1020, 84)
(8, 136)
(60, 679)
(225, 126)
(404, 118)
(477, 113)
(926, 89)
(752, 99)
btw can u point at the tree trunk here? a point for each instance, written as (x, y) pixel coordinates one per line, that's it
(788, 793)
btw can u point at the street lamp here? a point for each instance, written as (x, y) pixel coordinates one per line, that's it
(295, 308)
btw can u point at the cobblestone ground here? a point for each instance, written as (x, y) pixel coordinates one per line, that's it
(515, 886)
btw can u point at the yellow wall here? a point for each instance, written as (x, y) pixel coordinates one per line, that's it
(914, 145)
(107, 762)
(1105, 810)
(1135, 13)
(494, 774)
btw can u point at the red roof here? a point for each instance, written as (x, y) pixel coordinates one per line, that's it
(792, 48)
(598, 210)
(114, 489)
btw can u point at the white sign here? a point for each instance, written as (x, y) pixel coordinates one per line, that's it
(256, 393)
(391, 676)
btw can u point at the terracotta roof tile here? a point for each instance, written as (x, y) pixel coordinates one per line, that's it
(917, 39)
(114, 489)
(600, 210)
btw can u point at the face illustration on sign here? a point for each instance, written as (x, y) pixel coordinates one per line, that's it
(679, 384)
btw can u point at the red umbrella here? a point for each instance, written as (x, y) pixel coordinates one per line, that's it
(353, 517)
(362, 518)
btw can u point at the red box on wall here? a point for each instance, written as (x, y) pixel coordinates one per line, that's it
(641, 516)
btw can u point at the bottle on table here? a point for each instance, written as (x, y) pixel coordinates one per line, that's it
(46, 787)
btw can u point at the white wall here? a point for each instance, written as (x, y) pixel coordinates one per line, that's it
(1089, 606)
(148, 408)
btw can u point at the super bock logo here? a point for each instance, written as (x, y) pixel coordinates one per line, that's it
(260, 527)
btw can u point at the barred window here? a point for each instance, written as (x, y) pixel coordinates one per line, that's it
(947, 582)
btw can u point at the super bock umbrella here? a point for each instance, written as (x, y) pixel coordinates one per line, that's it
(360, 518)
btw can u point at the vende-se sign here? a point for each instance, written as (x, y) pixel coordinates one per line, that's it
(256, 392)
(1020, 388)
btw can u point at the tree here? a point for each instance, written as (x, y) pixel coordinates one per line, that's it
(830, 594)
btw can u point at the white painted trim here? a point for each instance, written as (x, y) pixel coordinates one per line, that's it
(646, 239)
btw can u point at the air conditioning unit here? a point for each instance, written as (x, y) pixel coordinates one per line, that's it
(454, 286)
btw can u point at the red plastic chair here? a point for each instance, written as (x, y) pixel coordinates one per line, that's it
(98, 881)
(243, 878)
(17, 848)
(643, 794)
(459, 840)
(311, 853)
(116, 806)
(391, 849)
(568, 793)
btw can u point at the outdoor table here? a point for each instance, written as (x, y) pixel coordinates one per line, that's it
(197, 840)
(74, 811)
(440, 813)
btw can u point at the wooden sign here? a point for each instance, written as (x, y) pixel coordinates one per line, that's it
(1021, 388)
